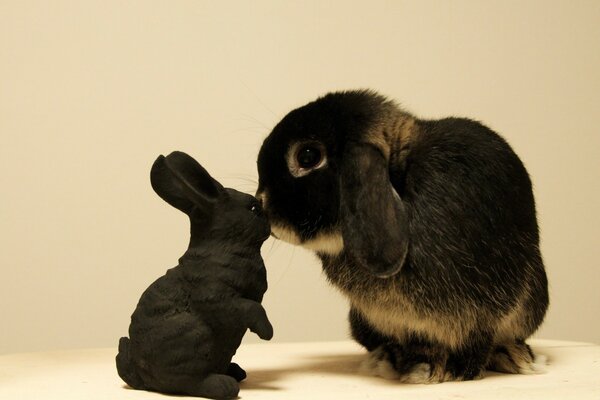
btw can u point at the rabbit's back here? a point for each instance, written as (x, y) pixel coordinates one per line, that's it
(471, 213)
(473, 256)
(467, 174)
(473, 227)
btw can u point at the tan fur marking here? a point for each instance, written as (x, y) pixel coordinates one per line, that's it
(330, 243)
(393, 131)
(262, 197)
(399, 319)
(285, 234)
(511, 325)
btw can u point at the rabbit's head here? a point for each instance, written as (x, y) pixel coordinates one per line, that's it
(216, 213)
(324, 180)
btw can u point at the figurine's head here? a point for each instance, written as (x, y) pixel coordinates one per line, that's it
(216, 213)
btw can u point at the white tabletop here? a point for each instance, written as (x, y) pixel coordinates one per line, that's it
(304, 371)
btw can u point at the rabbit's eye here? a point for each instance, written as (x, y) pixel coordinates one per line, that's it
(308, 157)
(303, 158)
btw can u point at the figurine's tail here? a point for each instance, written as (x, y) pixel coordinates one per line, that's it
(127, 371)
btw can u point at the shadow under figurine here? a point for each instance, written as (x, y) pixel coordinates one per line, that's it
(189, 323)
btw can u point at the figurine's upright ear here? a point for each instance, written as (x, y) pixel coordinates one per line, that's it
(183, 183)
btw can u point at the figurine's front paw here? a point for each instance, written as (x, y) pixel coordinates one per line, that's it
(264, 330)
(256, 318)
(236, 372)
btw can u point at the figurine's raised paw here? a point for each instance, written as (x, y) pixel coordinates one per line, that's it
(217, 386)
(256, 318)
(236, 372)
(264, 329)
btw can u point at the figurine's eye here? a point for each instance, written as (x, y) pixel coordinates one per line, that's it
(305, 157)
(255, 208)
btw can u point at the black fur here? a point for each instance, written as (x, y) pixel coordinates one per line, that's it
(455, 248)
(189, 323)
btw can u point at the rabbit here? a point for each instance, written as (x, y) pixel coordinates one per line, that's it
(428, 227)
(189, 323)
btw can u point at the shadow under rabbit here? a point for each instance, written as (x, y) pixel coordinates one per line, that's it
(343, 364)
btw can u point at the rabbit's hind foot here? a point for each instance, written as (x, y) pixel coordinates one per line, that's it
(419, 361)
(517, 358)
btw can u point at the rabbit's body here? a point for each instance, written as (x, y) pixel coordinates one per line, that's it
(447, 291)
(189, 323)
(443, 273)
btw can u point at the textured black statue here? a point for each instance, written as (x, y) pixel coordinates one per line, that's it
(189, 323)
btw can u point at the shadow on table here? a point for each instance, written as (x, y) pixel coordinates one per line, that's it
(343, 364)
(266, 379)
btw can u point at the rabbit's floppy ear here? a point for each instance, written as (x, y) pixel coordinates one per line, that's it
(374, 221)
(183, 183)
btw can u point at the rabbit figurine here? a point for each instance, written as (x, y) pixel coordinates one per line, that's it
(189, 323)
(428, 227)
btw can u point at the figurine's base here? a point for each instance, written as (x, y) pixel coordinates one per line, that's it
(302, 371)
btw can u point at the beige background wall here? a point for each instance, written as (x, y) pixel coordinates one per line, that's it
(92, 91)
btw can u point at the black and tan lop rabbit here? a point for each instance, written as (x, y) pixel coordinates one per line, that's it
(189, 323)
(428, 227)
